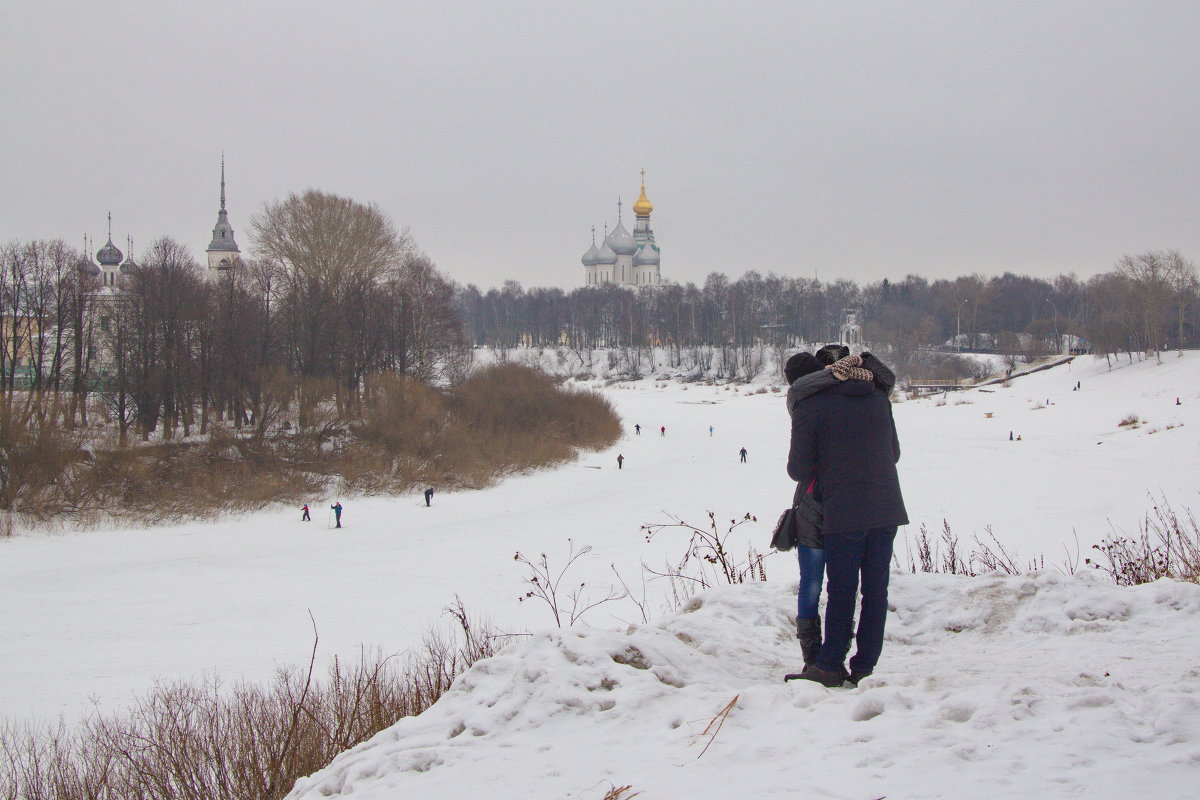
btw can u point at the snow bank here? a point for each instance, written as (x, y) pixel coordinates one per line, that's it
(1042, 685)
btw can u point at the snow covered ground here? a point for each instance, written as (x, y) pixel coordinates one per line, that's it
(988, 686)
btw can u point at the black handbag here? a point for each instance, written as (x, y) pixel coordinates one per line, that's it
(783, 538)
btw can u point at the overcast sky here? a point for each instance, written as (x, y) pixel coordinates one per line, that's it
(857, 140)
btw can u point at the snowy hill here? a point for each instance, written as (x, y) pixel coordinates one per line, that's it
(105, 613)
(1042, 686)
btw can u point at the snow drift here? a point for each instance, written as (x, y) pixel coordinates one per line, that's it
(1042, 685)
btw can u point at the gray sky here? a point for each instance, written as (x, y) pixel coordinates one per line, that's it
(860, 140)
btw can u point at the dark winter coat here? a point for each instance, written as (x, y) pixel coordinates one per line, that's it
(845, 436)
(810, 384)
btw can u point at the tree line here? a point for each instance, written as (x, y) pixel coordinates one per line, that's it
(334, 293)
(1146, 302)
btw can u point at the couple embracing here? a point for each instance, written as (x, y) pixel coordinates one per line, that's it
(843, 455)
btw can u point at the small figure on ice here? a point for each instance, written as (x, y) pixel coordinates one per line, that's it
(742, 453)
(337, 514)
(305, 517)
(662, 431)
(710, 430)
(637, 429)
(620, 460)
(428, 496)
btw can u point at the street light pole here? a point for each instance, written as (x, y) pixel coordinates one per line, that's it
(1057, 338)
(958, 324)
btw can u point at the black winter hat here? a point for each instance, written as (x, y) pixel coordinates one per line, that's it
(831, 353)
(800, 365)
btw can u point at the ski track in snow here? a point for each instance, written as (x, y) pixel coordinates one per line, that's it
(991, 686)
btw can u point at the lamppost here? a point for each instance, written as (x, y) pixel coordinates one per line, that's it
(958, 324)
(1057, 338)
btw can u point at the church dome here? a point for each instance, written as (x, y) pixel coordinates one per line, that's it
(607, 255)
(647, 256)
(621, 242)
(87, 266)
(643, 206)
(109, 255)
(589, 258)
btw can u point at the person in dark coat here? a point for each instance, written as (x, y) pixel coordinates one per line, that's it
(428, 496)
(337, 514)
(620, 460)
(742, 453)
(806, 375)
(844, 448)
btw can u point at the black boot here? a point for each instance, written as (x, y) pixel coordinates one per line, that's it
(808, 631)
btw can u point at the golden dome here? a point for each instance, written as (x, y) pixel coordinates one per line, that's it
(643, 206)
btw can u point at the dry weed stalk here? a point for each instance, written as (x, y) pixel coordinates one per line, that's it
(708, 560)
(546, 585)
(715, 724)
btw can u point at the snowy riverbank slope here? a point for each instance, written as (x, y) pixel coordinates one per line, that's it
(1040, 686)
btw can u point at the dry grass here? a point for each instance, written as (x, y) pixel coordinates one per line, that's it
(200, 741)
(404, 435)
(1166, 546)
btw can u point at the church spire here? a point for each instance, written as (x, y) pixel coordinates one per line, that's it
(222, 249)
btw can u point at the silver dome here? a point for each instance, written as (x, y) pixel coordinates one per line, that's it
(606, 255)
(621, 242)
(646, 256)
(109, 255)
(589, 258)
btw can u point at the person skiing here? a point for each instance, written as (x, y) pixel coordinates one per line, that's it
(428, 496)
(742, 453)
(305, 517)
(337, 513)
(620, 460)
(637, 429)
(710, 430)
(662, 431)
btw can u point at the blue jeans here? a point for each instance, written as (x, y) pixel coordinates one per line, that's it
(812, 573)
(847, 557)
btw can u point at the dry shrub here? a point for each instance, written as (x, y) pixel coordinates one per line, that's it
(1166, 546)
(1127, 420)
(403, 434)
(518, 418)
(37, 456)
(199, 741)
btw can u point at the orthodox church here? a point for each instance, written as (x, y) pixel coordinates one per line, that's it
(623, 258)
(223, 252)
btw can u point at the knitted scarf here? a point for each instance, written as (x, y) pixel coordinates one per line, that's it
(850, 367)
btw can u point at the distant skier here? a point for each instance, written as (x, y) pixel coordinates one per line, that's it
(428, 496)
(742, 453)
(620, 460)
(637, 429)
(1010, 436)
(305, 517)
(1177, 402)
(337, 514)
(662, 431)
(710, 430)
